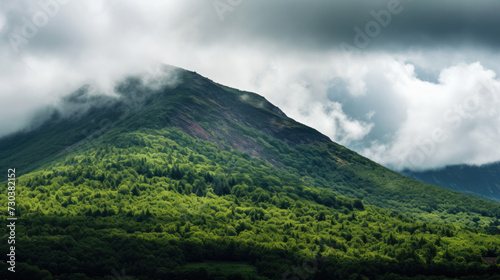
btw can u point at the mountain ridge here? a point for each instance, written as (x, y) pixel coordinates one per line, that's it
(474, 180)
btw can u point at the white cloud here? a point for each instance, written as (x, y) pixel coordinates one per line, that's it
(299, 86)
(453, 122)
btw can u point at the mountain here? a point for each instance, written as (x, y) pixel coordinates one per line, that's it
(178, 177)
(482, 181)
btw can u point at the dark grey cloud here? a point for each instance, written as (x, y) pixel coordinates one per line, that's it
(316, 25)
(325, 24)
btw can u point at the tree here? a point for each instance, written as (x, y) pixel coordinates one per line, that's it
(358, 204)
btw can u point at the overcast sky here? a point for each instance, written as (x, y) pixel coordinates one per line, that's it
(410, 84)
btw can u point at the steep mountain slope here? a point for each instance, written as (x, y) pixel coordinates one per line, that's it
(160, 179)
(482, 181)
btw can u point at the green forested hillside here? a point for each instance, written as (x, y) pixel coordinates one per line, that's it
(205, 182)
(482, 181)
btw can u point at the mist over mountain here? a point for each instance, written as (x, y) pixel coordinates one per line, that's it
(169, 96)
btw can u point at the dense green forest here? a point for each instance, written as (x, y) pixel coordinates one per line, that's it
(202, 181)
(156, 201)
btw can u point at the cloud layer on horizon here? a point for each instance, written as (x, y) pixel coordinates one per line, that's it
(385, 100)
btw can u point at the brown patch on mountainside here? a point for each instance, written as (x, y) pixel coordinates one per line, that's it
(247, 146)
(222, 134)
(192, 128)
